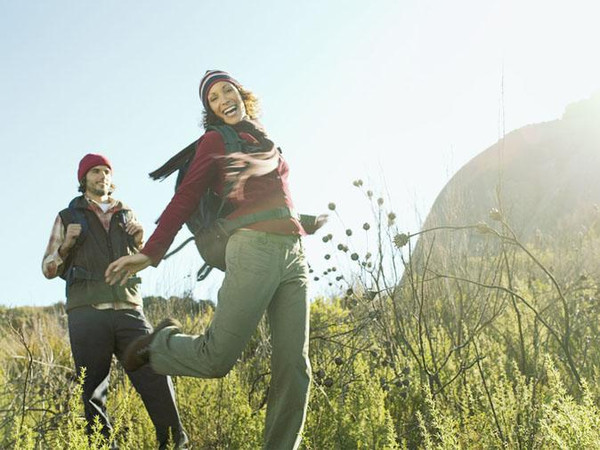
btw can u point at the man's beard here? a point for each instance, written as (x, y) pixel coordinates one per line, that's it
(100, 192)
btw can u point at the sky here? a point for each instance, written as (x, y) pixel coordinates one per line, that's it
(400, 94)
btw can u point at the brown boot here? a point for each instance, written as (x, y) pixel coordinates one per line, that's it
(137, 353)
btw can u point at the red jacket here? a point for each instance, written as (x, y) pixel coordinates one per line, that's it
(207, 170)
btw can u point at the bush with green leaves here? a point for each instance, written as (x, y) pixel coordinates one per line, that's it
(419, 345)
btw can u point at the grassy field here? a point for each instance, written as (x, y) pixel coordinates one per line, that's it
(493, 348)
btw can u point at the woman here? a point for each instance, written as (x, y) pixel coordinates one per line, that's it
(266, 268)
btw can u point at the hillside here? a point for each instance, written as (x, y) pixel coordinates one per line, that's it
(543, 177)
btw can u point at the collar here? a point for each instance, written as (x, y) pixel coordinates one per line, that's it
(114, 205)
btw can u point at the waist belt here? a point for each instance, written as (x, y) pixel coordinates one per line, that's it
(229, 225)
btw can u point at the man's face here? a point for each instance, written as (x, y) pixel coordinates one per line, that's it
(98, 180)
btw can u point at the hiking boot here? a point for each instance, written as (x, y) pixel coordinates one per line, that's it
(137, 353)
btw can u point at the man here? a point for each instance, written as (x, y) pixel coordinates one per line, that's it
(93, 231)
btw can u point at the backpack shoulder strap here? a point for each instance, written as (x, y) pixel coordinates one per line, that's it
(124, 216)
(79, 217)
(74, 214)
(233, 141)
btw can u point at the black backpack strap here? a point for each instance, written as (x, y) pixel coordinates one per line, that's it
(78, 216)
(233, 141)
(204, 272)
(124, 216)
(73, 214)
(66, 215)
(179, 247)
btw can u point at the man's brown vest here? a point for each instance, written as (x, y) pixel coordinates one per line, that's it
(95, 249)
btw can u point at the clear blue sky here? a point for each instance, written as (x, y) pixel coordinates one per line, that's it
(399, 93)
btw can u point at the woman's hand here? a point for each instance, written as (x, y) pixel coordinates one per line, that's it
(311, 223)
(321, 220)
(126, 266)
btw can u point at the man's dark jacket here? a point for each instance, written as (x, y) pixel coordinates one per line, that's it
(84, 268)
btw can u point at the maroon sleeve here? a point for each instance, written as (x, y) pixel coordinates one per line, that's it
(202, 173)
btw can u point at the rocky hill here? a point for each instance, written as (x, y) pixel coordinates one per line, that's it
(544, 178)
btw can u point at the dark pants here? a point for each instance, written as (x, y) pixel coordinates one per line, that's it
(98, 334)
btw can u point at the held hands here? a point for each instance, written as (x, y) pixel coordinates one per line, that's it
(120, 270)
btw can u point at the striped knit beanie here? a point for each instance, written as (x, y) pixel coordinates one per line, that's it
(210, 78)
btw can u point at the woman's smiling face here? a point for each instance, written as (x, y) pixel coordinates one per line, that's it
(226, 102)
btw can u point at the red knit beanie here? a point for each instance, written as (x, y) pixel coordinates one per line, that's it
(91, 160)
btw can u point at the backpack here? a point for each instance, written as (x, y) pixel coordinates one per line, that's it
(207, 223)
(211, 206)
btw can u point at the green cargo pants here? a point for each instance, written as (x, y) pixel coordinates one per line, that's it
(265, 272)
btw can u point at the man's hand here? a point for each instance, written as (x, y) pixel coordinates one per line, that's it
(71, 235)
(136, 230)
(124, 267)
